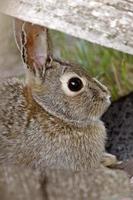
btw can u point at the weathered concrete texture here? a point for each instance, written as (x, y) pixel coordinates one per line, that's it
(18, 183)
(119, 122)
(100, 184)
(104, 22)
(10, 61)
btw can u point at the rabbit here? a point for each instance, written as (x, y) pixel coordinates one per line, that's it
(52, 118)
(20, 183)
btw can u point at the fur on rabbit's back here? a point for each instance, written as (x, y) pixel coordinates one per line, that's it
(119, 122)
(13, 117)
(31, 136)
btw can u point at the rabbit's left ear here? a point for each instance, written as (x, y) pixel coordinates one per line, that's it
(35, 46)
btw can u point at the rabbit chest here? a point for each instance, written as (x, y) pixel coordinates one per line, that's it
(57, 145)
(48, 142)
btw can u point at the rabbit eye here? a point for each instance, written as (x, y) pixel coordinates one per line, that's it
(72, 84)
(75, 84)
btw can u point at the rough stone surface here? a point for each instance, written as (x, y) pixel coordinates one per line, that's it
(18, 183)
(119, 122)
(100, 184)
(104, 22)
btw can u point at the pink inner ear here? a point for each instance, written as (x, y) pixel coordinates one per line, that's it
(40, 49)
(40, 59)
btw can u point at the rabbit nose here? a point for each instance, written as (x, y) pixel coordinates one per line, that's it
(108, 98)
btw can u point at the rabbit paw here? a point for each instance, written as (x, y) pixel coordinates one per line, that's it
(109, 160)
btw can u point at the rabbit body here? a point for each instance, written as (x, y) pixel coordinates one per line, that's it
(31, 136)
(53, 119)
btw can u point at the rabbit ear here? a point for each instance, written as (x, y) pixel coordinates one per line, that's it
(34, 43)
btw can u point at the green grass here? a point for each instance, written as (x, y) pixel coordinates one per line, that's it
(113, 68)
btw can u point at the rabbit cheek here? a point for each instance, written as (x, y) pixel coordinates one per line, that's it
(99, 102)
(102, 107)
(95, 109)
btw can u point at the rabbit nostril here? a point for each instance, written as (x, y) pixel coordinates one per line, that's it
(108, 98)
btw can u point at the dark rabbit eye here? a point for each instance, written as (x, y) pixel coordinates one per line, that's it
(75, 84)
(72, 84)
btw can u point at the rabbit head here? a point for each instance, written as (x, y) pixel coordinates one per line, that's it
(60, 88)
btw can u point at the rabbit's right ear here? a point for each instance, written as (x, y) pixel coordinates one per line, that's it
(34, 44)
